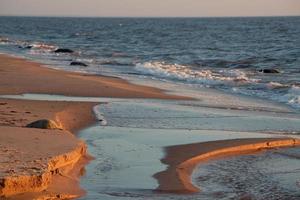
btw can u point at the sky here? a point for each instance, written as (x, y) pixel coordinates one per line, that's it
(150, 8)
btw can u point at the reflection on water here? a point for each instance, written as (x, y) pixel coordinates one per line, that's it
(126, 159)
(128, 149)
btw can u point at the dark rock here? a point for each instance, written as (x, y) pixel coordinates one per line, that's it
(269, 71)
(44, 124)
(78, 63)
(63, 51)
(26, 47)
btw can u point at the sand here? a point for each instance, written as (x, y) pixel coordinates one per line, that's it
(47, 164)
(19, 76)
(31, 158)
(60, 156)
(182, 159)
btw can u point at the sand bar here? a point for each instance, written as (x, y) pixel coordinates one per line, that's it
(61, 162)
(182, 159)
(20, 76)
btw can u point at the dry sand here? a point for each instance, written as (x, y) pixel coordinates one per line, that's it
(46, 164)
(42, 163)
(182, 159)
(19, 76)
(37, 163)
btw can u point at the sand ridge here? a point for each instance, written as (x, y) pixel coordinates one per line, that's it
(182, 159)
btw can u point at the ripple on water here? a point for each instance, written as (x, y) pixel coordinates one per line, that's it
(272, 175)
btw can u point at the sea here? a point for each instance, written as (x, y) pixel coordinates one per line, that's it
(227, 54)
(244, 73)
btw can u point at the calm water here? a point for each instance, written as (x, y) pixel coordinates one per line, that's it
(129, 145)
(221, 53)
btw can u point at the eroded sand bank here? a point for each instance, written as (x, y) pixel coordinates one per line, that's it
(60, 154)
(37, 163)
(31, 158)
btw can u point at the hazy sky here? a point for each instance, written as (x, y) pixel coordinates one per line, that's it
(156, 8)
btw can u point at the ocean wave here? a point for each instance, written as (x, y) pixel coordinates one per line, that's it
(276, 85)
(4, 40)
(293, 96)
(27, 44)
(114, 62)
(40, 48)
(185, 73)
(43, 46)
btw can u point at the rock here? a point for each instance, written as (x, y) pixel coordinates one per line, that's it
(78, 64)
(269, 71)
(59, 50)
(44, 124)
(26, 47)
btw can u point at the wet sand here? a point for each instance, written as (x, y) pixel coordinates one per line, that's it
(19, 76)
(60, 181)
(182, 159)
(27, 180)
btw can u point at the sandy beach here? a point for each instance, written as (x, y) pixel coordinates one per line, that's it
(60, 155)
(20, 76)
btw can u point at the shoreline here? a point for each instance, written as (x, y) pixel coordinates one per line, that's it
(181, 160)
(35, 160)
(19, 76)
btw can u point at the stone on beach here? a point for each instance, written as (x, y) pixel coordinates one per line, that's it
(44, 124)
(63, 51)
(269, 71)
(26, 47)
(75, 63)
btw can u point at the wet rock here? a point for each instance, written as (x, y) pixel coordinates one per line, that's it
(63, 51)
(44, 124)
(75, 63)
(269, 71)
(26, 47)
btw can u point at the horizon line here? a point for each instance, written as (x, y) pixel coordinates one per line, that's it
(78, 16)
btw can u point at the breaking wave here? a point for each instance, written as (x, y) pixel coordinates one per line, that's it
(185, 73)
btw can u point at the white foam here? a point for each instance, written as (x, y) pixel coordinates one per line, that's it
(274, 85)
(294, 96)
(44, 46)
(185, 73)
(99, 115)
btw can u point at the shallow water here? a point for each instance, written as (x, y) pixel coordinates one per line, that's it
(231, 115)
(129, 145)
(274, 174)
(127, 158)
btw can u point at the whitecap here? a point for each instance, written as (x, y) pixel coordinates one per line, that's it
(185, 73)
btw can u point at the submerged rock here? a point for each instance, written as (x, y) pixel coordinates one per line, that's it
(44, 124)
(63, 51)
(78, 64)
(269, 71)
